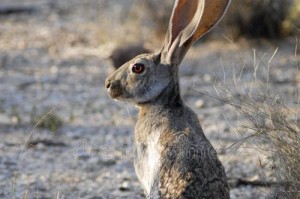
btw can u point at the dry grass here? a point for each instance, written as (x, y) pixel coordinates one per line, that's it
(276, 124)
(46, 120)
(270, 119)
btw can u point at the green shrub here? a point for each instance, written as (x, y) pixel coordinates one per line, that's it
(256, 18)
(46, 119)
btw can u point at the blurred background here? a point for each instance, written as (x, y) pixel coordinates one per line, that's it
(62, 136)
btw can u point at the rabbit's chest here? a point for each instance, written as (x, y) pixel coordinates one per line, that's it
(147, 162)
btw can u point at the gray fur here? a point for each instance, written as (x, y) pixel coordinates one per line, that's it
(173, 158)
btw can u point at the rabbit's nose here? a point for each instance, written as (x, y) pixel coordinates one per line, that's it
(107, 83)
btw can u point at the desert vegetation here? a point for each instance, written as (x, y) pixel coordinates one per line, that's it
(62, 137)
(270, 124)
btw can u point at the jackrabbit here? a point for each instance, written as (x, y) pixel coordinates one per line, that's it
(173, 158)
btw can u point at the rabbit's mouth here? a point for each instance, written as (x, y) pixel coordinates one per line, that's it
(114, 89)
(115, 93)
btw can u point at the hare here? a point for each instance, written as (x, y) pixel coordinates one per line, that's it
(173, 158)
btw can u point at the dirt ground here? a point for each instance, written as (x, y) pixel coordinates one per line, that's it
(53, 66)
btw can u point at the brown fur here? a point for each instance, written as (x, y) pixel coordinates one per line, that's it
(173, 158)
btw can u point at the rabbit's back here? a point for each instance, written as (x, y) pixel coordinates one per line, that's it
(191, 169)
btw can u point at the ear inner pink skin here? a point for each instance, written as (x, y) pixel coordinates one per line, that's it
(213, 12)
(190, 20)
(186, 10)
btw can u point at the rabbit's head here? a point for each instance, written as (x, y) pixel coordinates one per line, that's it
(151, 78)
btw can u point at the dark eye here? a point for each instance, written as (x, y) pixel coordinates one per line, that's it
(138, 68)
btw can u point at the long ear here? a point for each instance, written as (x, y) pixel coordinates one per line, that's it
(190, 20)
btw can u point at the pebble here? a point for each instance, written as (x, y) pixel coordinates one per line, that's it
(199, 103)
(124, 186)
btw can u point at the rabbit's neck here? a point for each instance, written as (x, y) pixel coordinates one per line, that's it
(157, 118)
(164, 118)
(168, 98)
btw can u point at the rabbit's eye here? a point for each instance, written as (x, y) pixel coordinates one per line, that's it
(138, 68)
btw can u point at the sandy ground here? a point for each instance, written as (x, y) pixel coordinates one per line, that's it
(52, 64)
